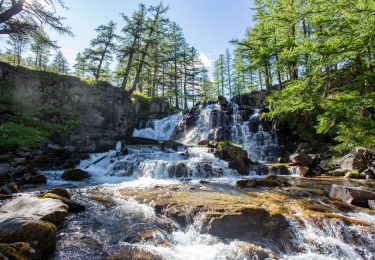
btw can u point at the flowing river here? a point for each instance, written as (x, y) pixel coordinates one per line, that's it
(151, 202)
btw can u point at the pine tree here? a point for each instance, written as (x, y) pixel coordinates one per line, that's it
(41, 46)
(131, 40)
(60, 63)
(18, 43)
(101, 50)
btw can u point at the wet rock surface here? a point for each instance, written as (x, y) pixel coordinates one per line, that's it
(236, 157)
(75, 175)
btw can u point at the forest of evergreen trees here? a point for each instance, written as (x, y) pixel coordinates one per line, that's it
(317, 60)
(147, 53)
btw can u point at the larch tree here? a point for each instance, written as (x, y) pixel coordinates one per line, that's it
(101, 49)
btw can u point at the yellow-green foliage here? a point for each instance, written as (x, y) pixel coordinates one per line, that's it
(227, 143)
(144, 102)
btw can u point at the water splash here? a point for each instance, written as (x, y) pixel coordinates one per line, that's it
(161, 129)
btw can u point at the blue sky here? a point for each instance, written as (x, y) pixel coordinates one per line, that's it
(208, 25)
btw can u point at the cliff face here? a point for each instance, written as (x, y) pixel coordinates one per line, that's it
(105, 113)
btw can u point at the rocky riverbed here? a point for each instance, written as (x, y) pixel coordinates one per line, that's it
(211, 199)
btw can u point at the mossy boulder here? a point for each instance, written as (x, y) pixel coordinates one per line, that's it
(41, 235)
(18, 251)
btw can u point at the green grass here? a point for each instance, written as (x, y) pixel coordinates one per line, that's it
(230, 144)
(14, 136)
(29, 125)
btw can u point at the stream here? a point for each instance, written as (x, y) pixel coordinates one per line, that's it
(127, 190)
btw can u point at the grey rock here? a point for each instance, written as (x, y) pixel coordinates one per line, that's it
(301, 159)
(350, 195)
(75, 175)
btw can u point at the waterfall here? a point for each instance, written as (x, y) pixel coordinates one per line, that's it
(210, 119)
(134, 193)
(161, 129)
(258, 137)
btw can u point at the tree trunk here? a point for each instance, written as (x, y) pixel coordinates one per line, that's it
(130, 63)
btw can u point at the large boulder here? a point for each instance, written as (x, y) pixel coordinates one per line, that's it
(51, 210)
(357, 160)
(75, 175)
(74, 207)
(302, 171)
(41, 235)
(351, 195)
(301, 159)
(64, 196)
(267, 181)
(253, 224)
(237, 158)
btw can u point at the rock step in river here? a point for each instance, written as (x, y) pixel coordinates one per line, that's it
(154, 202)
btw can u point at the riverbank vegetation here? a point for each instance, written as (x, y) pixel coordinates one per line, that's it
(316, 60)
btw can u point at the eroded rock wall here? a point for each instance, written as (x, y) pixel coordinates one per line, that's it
(105, 113)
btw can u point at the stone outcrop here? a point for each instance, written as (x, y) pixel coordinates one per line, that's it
(359, 164)
(105, 113)
(353, 196)
(357, 160)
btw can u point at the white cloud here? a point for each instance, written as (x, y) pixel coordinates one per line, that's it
(207, 62)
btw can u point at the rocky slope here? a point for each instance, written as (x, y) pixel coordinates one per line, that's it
(105, 114)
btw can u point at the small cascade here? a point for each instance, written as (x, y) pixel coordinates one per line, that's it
(210, 121)
(257, 136)
(161, 129)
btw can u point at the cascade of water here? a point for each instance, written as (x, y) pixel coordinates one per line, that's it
(206, 128)
(161, 129)
(258, 138)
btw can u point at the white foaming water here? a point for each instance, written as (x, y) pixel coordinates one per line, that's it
(332, 239)
(259, 143)
(149, 166)
(206, 126)
(161, 129)
(191, 244)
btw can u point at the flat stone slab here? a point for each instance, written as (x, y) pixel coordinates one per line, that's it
(51, 210)
(350, 195)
